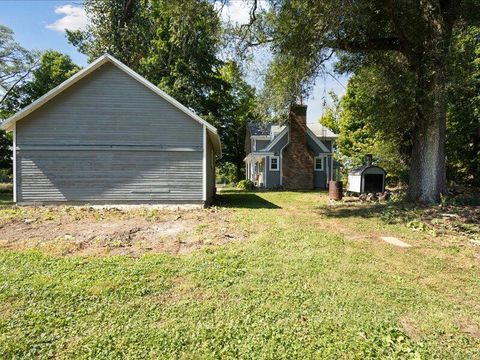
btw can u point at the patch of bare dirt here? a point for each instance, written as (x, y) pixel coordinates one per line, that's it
(411, 328)
(470, 329)
(92, 232)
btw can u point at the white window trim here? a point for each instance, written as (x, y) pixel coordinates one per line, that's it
(270, 163)
(315, 163)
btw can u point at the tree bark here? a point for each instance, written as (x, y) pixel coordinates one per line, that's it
(427, 179)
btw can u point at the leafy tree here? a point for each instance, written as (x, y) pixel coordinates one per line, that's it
(463, 111)
(238, 104)
(122, 28)
(304, 33)
(374, 116)
(183, 54)
(16, 63)
(331, 117)
(54, 68)
(5, 152)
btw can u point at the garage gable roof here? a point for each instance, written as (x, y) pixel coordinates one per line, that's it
(8, 124)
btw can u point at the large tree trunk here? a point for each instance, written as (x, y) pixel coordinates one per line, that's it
(428, 163)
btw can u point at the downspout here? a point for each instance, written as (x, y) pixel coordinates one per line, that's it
(204, 195)
(14, 162)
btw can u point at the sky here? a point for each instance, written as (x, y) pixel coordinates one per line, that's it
(41, 24)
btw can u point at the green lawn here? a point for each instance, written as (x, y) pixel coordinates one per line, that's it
(310, 281)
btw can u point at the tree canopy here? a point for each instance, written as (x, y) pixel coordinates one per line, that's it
(16, 62)
(374, 116)
(412, 35)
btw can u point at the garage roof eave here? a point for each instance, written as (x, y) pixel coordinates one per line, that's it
(215, 139)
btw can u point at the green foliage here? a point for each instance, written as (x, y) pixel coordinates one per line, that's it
(15, 66)
(375, 115)
(121, 28)
(53, 69)
(463, 114)
(226, 173)
(332, 113)
(6, 163)
(182, 58)
(247, 185)
(237, 103)
(388, 39)
(15, 63)
(375, 118)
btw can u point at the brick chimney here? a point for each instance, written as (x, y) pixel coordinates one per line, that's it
(297, 159)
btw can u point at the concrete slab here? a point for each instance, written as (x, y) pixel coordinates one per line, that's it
(394, 241)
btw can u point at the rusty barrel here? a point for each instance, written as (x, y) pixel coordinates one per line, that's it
(335, 190)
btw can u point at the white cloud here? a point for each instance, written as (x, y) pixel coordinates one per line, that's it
(74, 18)
(238, 11)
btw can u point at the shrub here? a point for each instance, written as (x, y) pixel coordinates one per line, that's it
(6, 188)
(246, 185)
(5, 175)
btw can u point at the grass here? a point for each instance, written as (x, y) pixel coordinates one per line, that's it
(312, 280)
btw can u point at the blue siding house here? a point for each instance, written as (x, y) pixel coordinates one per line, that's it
(297, 155)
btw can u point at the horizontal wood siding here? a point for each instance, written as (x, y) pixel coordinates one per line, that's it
(109, 107)
(109, 139)
(273, 177)
(109, 176)
(261, 144)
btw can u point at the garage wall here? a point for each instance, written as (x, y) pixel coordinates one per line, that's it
(210, 171)
(109, 138)
(99, 176)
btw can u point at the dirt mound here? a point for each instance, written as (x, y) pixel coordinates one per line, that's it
(62, 231)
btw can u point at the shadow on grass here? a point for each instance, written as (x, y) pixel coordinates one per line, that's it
(243, 200)
(6, 198)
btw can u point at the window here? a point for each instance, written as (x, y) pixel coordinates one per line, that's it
(274, 166)
(319, 163)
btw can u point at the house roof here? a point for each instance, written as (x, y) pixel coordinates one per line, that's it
(322, 131)
(359, 170)
(318, 129)
(259, 129)
(107, 58)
